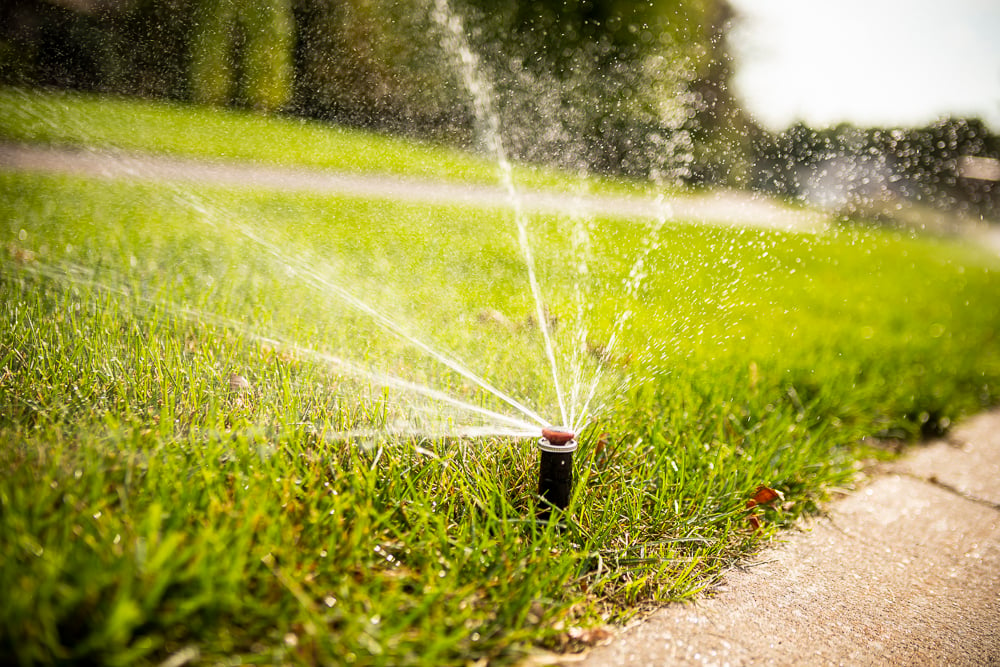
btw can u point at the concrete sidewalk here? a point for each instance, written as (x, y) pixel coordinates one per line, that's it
(906, 571)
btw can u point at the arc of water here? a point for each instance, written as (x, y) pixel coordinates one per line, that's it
(321, 283)
(208, 218)
(581, 250)
(385, 380)
(632, 285)
(482, 93)
(78, 275)
(456, 432)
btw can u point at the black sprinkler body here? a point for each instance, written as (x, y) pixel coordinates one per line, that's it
(555, 474)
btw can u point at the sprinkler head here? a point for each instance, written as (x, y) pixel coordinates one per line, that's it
(557, 435)
(555, 470)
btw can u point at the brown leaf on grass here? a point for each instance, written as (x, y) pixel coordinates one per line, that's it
(764, 495)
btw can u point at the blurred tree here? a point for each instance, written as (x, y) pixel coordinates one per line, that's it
(929, 162)
(146, 47)
(884, 172)
(373, 63)
(43, 43)
(242, 52)
(636, 87)
(135, 47)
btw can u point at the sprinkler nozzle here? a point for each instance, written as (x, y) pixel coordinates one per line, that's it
(557, 436)
(555, 473)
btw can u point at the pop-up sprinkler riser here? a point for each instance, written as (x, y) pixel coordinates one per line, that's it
(555, 472)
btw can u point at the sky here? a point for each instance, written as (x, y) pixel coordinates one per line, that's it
(883, 63)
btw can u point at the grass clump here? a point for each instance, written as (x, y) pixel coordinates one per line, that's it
(212, 451)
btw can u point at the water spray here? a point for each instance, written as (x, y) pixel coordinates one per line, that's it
(555, 471)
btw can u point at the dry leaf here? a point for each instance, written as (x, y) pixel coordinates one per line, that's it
(764, 495)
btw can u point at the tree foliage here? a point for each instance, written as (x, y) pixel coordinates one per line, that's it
(373, 63)
(880, 171)
(242, 52)
(625, 86)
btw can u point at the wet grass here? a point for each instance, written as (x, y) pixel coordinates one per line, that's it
(153, 506)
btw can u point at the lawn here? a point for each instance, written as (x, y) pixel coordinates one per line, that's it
(245, 425)
(121, 124)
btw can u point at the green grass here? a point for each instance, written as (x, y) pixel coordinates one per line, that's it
(148, 509)
(77, 119)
